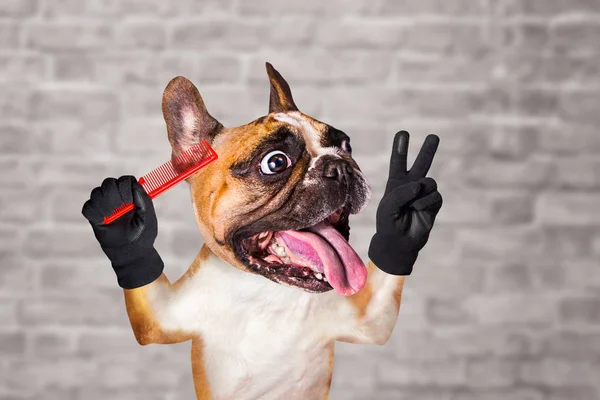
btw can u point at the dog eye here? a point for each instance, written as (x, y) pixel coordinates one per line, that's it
(346, 146)
(275, 162)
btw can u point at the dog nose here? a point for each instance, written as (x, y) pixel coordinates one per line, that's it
(337, 169)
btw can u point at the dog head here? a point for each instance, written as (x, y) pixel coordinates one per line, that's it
(277, 200)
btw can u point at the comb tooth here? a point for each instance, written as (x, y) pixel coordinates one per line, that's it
(155, 180)
(164, 173)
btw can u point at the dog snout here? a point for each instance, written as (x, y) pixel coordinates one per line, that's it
(337, 169)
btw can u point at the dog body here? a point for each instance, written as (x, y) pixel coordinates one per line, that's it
(276, 283)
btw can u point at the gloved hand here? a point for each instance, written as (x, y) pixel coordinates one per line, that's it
(128, 241)
(407, 210)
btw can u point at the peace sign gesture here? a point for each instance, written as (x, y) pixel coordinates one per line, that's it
(407, 211)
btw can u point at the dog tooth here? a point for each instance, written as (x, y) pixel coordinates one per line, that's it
(263, 235)
(280, 251)
(319, 276)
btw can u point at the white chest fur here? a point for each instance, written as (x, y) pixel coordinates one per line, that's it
(261, 339)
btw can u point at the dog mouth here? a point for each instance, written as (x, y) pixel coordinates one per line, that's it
(317, 258)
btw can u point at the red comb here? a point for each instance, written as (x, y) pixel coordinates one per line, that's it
(169, 174)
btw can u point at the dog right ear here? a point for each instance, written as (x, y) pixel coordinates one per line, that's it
(188, 121)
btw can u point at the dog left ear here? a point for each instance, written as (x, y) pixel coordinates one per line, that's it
(188, 121)
(281, 96)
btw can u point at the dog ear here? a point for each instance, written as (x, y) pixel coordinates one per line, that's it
(188, 121)
(281, 96)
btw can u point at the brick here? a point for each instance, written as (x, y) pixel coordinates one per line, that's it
(393, 393)
(487, 343)
(12, 343)
(447, 69)
(16, 275)
(506, 243)
(175, 64)
(14, 102)
(324, 68)
(9, 240)
(142, 35)
(512, 142)
(106, 345)
(272, 7)
(534, 310)
(79, 137)
(454, 8)
(280, 35)
(573, 393)
(43, 243)
(447, 373)
(21, 173)
(556, 372)
(511, 208)
(362, 378)
(217, 69)
(433, 277)
(133, 135)
(576, 37)
(545, 8)
(90, 311)
(510, 278)
(580, 310)
(492, 373)
(22, 68)
(10, 35)
(216, 33)
(568, 209)
(355, 35)
(408, 102)
(60, 372)
(516, 393)
(448, 312)
(569, 242)
(569, 139)
(14, 139)
(530, 35)
(233, 107)
(129, 393)
(53, 344)
(186, 244)
(68, 36)
(445, 38)
(143, 101)
(8, 313)
(533, 173)
(118, 373)
(178, 207)
(464, 207)
(527, 67)
(114, 69)
(571, 345)
(578, 174)
(18, 8)
(579, 107)
(73, 174)
(64, 104)
(79, 278)
(536, 102)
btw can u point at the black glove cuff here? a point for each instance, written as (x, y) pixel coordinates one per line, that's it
(136, 268)
(388, 255)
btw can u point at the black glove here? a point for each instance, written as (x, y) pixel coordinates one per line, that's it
(128, 241)
(407, 210)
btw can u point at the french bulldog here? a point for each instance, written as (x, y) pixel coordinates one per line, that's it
(276, 282)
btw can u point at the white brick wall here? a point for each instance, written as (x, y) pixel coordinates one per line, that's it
(504, 302)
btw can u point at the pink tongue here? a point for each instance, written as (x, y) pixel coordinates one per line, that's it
(328, 249)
